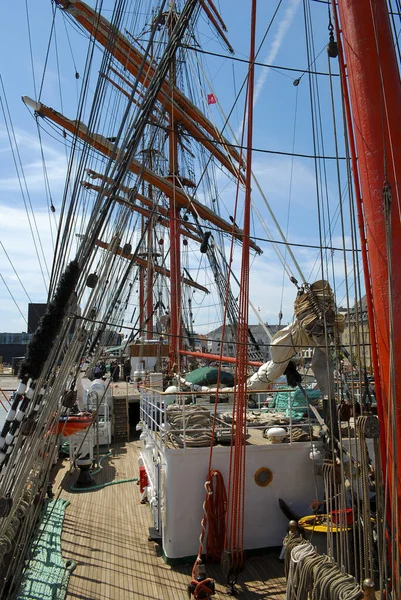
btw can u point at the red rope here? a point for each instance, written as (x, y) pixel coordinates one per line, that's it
(215, 514)
(214, 519)
(216, 503)
(201, 588)
(236, 507)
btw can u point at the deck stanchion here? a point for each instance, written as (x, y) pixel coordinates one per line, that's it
(368, 587)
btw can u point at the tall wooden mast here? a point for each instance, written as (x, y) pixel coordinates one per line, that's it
(375, 90)
(149, 296)
(175, 216)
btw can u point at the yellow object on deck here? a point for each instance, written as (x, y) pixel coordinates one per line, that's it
(321, 524)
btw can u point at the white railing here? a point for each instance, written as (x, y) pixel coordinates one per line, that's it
(153, 414)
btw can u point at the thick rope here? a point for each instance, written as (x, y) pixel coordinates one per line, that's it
(367, 525)
(189, 426)
(298, 555)
(290, 541)
(311, 576)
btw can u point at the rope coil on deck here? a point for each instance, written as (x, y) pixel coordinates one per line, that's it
(191, 426)
(202, 589)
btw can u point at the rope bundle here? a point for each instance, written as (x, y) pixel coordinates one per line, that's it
(298, 555)
(315, 308)
(331, 584)
(214, 522)
(311, 576)
(290, 541)
(215, 508)
(196, 422)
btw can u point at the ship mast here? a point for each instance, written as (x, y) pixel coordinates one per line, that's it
(375, 91)
(149, 275)
(175, 217)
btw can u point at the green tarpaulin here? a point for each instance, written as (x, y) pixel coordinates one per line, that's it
(209, 376)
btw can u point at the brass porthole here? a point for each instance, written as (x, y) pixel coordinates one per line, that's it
(263, 477)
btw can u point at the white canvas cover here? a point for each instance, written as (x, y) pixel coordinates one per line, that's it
(313, 311)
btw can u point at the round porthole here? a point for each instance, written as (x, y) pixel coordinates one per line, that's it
(263, 477)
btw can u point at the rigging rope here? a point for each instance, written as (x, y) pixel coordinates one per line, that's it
(234, 543)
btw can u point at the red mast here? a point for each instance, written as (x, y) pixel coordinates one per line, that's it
(375, 90)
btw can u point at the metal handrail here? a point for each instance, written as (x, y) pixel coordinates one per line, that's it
(153, 415)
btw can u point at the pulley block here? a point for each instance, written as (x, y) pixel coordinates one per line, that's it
(92, 280)
(6, 504)
(69, 398)
(232, 566)
(28, 425)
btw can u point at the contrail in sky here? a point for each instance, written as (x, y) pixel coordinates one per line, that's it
(283, 27)
(276, 45)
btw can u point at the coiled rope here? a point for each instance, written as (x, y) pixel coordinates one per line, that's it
(215, 506)
(290, 541)
(190, 426)
(314, 576)
(298, 555)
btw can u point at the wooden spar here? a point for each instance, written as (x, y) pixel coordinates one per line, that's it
(219, 30)
(375, 89)
(186, 227)
(142, 211)
(217, 357)
(107, 148)
(131, 59)
(216, 12)
(157, 115)
(190, 126)
(153, 117)
(143, 263)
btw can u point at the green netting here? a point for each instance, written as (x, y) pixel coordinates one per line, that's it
(46, 574)
(208, 376)
(281, 401)
(298, 402)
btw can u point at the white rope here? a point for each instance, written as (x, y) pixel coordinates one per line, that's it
(190, 426)
(298, 555)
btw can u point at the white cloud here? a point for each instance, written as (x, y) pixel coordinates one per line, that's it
(17, 241)
(30, 153)
(273, 175)
(15, 225)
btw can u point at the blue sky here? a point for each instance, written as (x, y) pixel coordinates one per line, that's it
(289, 185)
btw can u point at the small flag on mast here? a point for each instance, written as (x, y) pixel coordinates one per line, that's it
(211, 99)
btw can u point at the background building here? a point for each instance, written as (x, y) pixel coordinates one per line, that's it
(356, 338)
(258, 332)
(14, 345)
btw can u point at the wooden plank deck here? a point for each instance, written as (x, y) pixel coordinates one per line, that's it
(106, 532)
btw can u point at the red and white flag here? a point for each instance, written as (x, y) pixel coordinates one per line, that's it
(211, 99)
